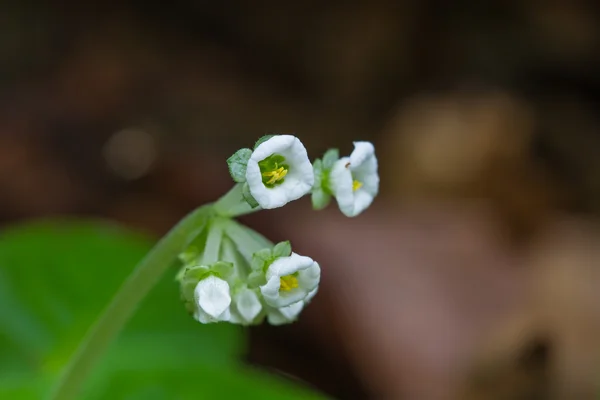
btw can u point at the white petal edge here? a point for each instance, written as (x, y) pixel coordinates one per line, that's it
(205, 318)
(285, 315)
(361, 152)
(310, 295)
(309, 278)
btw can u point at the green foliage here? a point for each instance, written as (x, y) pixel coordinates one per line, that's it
(56, 277)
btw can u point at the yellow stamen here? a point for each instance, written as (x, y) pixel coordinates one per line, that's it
(356, 185)
(288, 283)
(276, 175)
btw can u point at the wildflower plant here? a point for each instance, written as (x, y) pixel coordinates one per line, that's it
(229, 273)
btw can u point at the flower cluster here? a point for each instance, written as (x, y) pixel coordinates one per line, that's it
(274, 283)
(278, 171)
(230, 272)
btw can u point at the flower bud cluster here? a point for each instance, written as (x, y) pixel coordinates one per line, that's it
(274, 283)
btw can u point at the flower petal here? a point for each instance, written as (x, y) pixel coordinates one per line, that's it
(247, 304)
(309, 278)
(212, 296)
(276, 298)
(284, 315)
(362, 201)
(361, 152)
(341, 186)
(205, 318)
(310, 295)
(276, 144)
(288, 265)
(270, 290)
(286, 298)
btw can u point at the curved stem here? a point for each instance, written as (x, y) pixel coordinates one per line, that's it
(232, 204)
(125, 302)
(213, 242)
(246, 242)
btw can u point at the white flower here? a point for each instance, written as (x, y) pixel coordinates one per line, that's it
(246, 307)
(279, 171)
(288, 314)
(212, 299)
(284, 315)
(290, 280)
(354, 180)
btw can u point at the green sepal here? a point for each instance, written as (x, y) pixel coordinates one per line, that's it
(318, 172)
(189, 255)
(282, 249)
(329, 158)
(238, 163)
(320, 199)
(191, 276)
(196, 272)
(261, 140)
(187, 290)
(222, 269)
(248, 196)
(261, 258)
(256, 279)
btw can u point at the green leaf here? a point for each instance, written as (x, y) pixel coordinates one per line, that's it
(238, 163)
(282, 249)
(57, 276)
(330, 157)
(248, 196)
(261, 140)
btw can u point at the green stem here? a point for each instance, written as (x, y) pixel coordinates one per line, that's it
(245, 239)
(232, 204)
(261, 241)
(230, 254)
(213, 242)
(125, 302)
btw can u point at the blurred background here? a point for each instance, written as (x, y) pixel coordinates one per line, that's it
(474, 274)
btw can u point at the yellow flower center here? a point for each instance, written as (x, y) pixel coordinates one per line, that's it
(356, 185)
(275, 175)
(288, 283)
